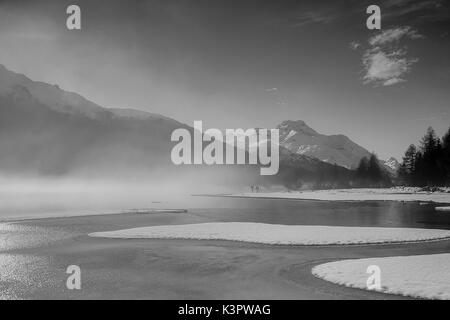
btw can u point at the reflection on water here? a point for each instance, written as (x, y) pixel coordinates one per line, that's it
(21, 275)
(16, 236)
(369, 213)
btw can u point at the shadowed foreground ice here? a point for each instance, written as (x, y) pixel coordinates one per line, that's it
(279, 234)
(36, 253)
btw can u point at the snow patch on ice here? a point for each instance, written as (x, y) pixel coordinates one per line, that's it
(279, 234)
(442, 208)
(424, 276)
(355, 195)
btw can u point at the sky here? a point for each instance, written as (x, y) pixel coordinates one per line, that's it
(247, 63)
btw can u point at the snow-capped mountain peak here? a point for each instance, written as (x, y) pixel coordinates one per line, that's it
(392, 163)
(299, 138)
(294, 127)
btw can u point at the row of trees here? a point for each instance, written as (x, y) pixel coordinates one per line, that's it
(428, 164)
(370, 174)
(425, 165)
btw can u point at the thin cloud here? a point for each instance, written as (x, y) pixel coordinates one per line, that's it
(354, 45)
(434, 116)
(412, 5)
(394, 35)
(313, 17)
(416, 11)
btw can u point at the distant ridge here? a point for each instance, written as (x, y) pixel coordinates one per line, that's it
(65, 101)
(47, 130)
(299, 138)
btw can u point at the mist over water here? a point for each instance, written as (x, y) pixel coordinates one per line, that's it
(47, 197)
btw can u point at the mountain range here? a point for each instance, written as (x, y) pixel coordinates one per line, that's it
(299, 138)
(47, 130)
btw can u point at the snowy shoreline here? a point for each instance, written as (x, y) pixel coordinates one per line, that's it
(274, 234)
(422, 276)
(393, 194)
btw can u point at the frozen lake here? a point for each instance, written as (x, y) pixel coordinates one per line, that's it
(275, 211)
(34, 254)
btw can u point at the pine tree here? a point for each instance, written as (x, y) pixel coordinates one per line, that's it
(429, 142)
(410, 159)
(362, 170)
(370, 174)
(402, 173)
(374, 170)
(430, 146)
(446, 140)
(408, 167)
(446, 156)
(418, 177)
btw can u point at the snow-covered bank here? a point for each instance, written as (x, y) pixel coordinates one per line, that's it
(442, 208)
(393, 194)
(279, 234)
(424, 276)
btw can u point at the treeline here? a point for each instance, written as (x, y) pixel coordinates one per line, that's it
(428, 164)
(370, 174)
(298, 173)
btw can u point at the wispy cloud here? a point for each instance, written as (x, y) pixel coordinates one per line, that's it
(412, 5)
(309, 17)
(277, 96)
(354, 45)
(394, 35)
(385, 62)
(434, 116)
(416, 11)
